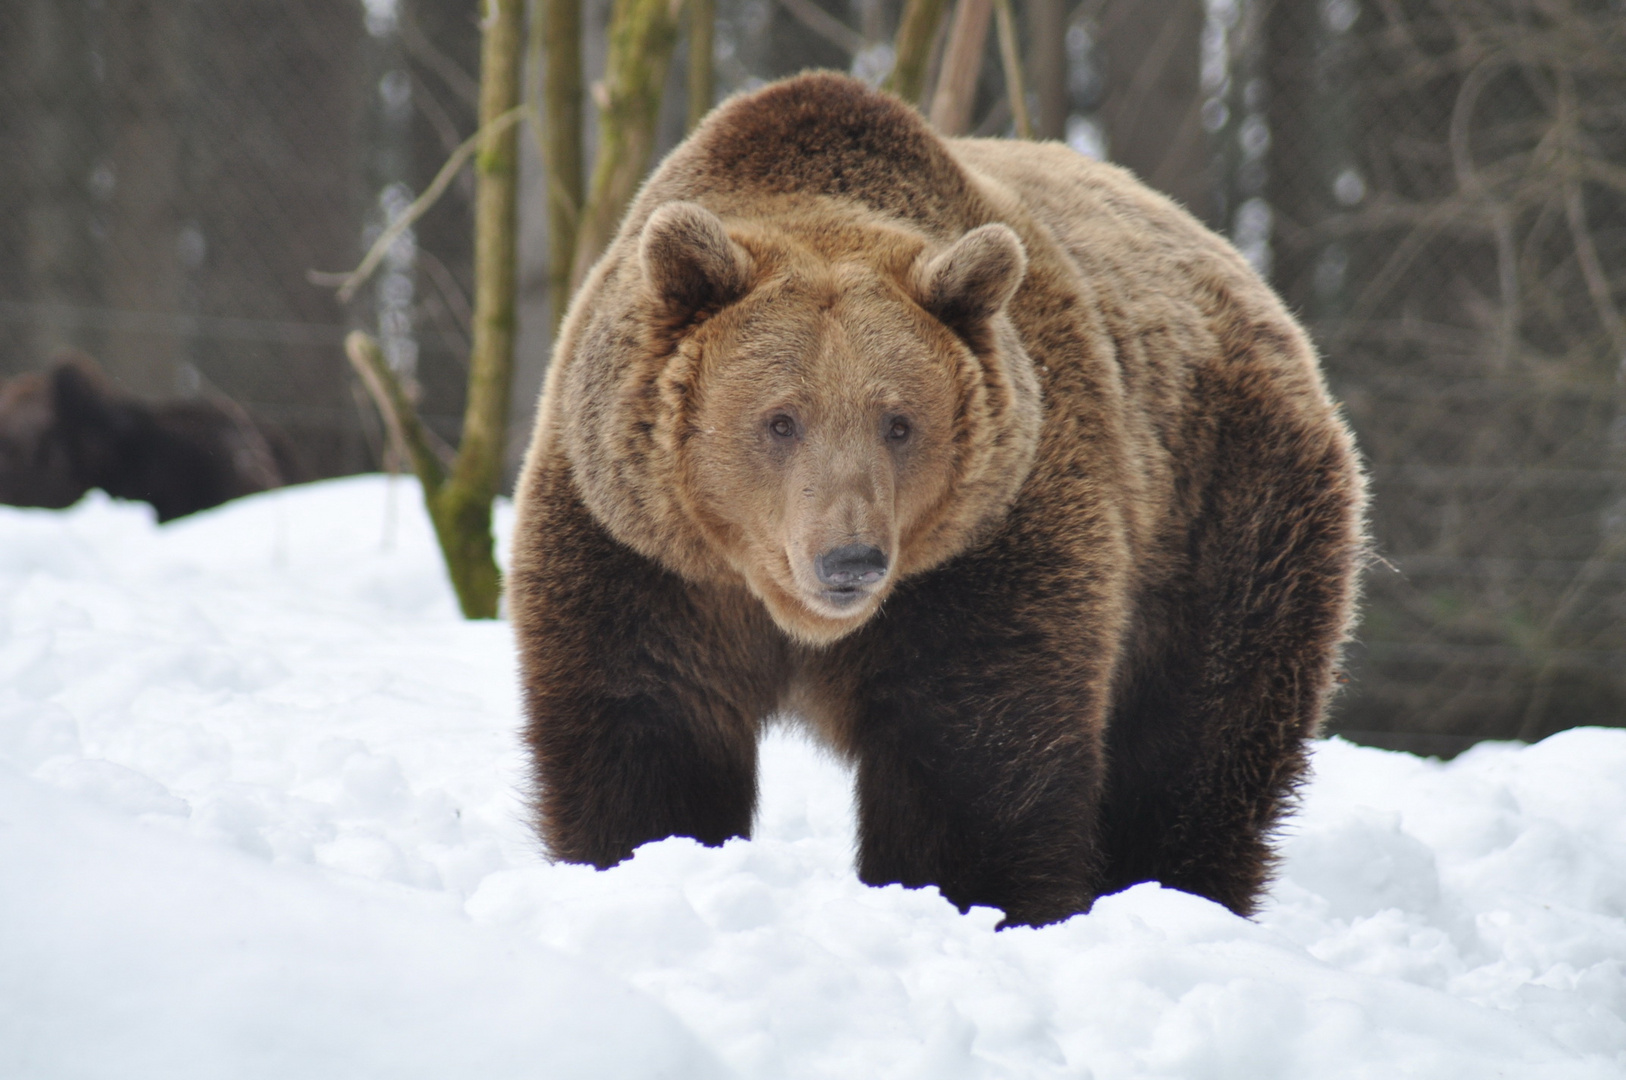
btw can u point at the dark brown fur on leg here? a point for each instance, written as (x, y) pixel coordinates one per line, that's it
(977, 768)
(637, 769)
(1207, 745)
(644, 713)
(936, 809)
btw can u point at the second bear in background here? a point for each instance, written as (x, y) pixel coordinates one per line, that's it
(69, 429)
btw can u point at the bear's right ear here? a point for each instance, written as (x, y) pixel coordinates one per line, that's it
(975, 278)
(689, 260)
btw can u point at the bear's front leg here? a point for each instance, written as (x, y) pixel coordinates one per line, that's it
(644, 692)
(976, 719)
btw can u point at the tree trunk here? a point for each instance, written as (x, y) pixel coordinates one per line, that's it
(462, 507)
(146, 58)
(962, 64)
(562, 94)
(1047, 29)
(1010, 56)
(59, 254)
(702, 21)
(460, 503)
(642, 35)
(917, 30)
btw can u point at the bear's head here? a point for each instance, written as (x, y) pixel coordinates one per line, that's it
(36, 466)
(832, 405)
(57, 432)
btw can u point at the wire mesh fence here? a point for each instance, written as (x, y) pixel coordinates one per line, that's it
(1448, 210)
(1438, 187)
(173, 171)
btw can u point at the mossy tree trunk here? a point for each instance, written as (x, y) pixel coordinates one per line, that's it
(702, 23)
(562, 104)
(459, 497)
(642, 36)
(461, 507)
(917, 30)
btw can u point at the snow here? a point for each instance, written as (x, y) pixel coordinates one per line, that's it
(262, 814)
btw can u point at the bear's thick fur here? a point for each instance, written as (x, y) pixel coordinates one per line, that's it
(993, 465)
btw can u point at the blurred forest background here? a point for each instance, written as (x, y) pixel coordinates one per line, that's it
(1438, 187)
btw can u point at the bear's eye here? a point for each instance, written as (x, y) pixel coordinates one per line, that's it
(782, 426)
(899, 430)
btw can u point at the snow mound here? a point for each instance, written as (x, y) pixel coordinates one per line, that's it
(261, 814)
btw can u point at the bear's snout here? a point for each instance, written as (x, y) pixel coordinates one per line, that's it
(849, 568)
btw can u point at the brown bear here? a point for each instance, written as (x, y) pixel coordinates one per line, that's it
(70, 429)
(993, 466)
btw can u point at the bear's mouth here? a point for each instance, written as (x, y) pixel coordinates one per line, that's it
(844, 603)
(834, 607)
(844, 596)
(814, 612)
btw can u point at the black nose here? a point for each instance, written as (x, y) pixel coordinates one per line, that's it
(850, 566)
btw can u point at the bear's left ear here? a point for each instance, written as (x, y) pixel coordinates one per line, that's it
(974, 279)
(689, 260)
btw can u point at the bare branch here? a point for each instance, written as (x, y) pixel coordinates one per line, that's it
(1471, 181)
(825, 25)
(348, 283)
(421, 49)
(451, 293)
(401, 421)
(1586, 252)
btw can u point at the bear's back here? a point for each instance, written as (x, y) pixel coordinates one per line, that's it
(1159, 277)
(1189, 331)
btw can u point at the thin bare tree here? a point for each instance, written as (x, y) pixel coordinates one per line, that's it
(459, 498)
(561, 27)
(917, 31)
(642, 36)
(962, 63)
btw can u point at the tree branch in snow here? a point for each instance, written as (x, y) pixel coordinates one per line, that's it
(402, 426)
(459, 493)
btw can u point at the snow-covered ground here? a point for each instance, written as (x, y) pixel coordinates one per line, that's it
(261, 815)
